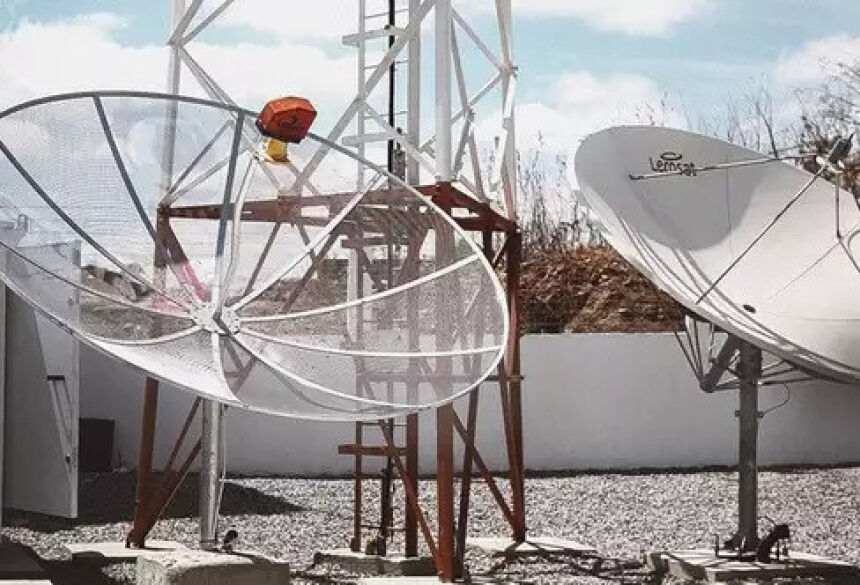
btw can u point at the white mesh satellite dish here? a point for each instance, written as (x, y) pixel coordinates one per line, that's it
(757, 246)
(214, 268)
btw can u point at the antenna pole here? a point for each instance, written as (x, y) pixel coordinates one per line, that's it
(413, 177)
(210, 481)
(444, 23)
(445, 558)
(413, 100)
(749, 370)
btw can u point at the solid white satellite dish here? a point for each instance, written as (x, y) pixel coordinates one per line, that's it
(215, 269)
(757, 246)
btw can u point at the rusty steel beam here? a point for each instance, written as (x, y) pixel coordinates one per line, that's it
(468, 434)
(370, 450)
(449, 197)
(410, 518)
(288, 209)
(486, 474)
(189, 418)
(411, 494)
(410, 270)
(445, 561)
(137, 536)
(309, 273)
(469, 437)
(445, 492)
(169, 486)
(355, 542)
(271, 211)
(514, 382)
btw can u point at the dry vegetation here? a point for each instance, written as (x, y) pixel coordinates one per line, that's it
(571, 280)
(587, 288)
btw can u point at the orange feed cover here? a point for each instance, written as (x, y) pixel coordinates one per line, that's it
(288, 119)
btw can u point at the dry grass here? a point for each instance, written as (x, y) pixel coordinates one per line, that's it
(578, 288)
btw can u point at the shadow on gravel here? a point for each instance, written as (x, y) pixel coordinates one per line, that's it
(109, 497)
(69, 573)
(562, 568)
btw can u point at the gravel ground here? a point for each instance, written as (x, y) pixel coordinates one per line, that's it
(621, 514)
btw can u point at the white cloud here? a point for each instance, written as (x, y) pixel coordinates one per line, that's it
(40, 58)
(816, 60)
(323, 19)
(579, 103)
(635, 17)
(252, 74)
(329, 19)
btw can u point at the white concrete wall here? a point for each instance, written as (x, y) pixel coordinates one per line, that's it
(591, 401)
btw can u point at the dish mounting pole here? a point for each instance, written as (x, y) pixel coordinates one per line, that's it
(210, 480)
(747, 360)
(749, 371)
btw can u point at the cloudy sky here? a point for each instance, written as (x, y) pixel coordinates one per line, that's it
(583, 64)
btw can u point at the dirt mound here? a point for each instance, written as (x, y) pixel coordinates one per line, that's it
(579, 288)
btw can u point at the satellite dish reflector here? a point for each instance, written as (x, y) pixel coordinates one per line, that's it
(757, 246)
(275, 286)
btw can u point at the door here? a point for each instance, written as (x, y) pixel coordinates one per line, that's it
(41, 397)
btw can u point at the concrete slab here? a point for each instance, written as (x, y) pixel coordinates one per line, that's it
(20, 563)
(533, 546)
(702, 565)
(196, 567)
(115, 552)
(394, 565)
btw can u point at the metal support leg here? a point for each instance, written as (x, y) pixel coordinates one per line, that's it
(444, 415)
(210, 483)
(386, 513)
(445, 491)
(355, 541)
(411, 520)
(512, 362)
(466, 484)
(137, 536)
(746, 538)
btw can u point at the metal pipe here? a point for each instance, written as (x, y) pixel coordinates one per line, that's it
(392, 83)
(749, 368)
(443, 91)
(361, 90)
(174, 73)
(210, 458)
(413, 99)
(711, 379)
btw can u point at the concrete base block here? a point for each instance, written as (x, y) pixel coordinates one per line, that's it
(194, 567)
(19, 563)
(357, 562)
(536, 546)
(702, 565)
(104, 553)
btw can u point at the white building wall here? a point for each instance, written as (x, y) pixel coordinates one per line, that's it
(591, 401)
